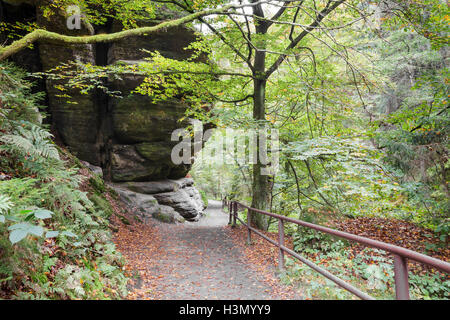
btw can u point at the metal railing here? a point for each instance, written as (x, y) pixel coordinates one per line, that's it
(401, 255)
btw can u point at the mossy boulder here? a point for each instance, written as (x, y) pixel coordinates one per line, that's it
(168, 215)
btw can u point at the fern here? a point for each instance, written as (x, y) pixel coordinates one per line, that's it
(33, 140)
(5, 204)
(4, 113)
(19, 142)
(16, 95)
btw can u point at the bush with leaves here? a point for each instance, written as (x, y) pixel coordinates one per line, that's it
(413, 126)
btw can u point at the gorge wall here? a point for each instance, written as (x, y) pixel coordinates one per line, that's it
(129, 138)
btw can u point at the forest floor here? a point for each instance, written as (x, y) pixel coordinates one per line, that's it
(195, 260)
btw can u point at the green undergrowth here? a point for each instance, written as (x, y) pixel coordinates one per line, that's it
(369, 270)
(55, 234)
(204, 197)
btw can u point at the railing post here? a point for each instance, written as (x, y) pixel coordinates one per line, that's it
(280, 243)
(249, 223)
(401, 278)
(229, 212)
(234, 214)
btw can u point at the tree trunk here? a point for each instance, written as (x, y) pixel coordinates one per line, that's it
(260, 185)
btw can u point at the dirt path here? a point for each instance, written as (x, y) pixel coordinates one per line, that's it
(197, 260)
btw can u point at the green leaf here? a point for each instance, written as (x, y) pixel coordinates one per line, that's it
(2, 218)
(17, 235)
(12, 218)
(20, 226)
(27, 228)
(29, 217)
(42, 214)
(36, 230)
(69, 234)
(51, 234)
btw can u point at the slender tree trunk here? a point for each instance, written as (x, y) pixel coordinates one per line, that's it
(260, 185)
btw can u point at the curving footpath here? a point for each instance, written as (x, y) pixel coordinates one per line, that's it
(194, 260)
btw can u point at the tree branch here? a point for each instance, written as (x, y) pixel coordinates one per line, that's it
(44, 35)
(323, 13)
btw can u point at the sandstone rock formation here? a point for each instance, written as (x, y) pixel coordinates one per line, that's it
(129, 138)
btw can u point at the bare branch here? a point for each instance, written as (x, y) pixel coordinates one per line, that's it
(327, 10)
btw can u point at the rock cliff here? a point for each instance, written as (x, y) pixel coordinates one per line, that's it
(128, 138)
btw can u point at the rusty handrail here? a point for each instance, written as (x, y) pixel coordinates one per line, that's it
(400, 254)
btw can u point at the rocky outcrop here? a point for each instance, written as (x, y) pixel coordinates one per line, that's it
(166, 200)
(140, 149)
(128, 138)
(141, 129)
(76, 118)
